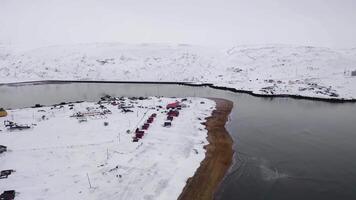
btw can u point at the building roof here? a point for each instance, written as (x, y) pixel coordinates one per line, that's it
(173, 105)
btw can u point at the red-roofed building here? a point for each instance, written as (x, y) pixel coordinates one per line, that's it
(173, 105)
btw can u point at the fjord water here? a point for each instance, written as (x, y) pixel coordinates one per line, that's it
(285, 148)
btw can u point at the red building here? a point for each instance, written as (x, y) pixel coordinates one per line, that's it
(173, 105)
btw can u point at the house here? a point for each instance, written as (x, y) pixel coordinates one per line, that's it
(173, 105)
(145, 126)
(3, 149)
(174, 113)
(37, 105)
(8, 195)
(167, 124)
(150, 120)
(139, 135)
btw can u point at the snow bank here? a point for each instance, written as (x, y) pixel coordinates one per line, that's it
(270, 70)
(55, 158)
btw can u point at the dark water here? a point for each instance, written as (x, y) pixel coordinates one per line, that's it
(285, 148)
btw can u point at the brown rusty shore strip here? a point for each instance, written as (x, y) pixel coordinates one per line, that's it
(218, 157)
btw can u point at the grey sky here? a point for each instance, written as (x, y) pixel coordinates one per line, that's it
(330, 23)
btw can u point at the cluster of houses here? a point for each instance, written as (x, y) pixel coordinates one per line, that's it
(93, 113)
(140, 132)
(173, 112)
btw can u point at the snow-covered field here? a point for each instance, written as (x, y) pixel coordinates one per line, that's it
(268, 69)
(56, 157)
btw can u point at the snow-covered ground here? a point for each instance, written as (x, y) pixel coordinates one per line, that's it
(55, 158)
(268, 69)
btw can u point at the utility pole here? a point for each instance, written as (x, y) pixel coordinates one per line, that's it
(89, 180)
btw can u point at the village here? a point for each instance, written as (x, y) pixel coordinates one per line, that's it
(115, 148)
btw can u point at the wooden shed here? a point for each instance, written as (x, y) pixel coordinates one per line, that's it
(8, 195)
(353, 73)
(3, 149)
(167, 124)
(3, 112)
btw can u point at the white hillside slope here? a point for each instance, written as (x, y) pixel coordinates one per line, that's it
(273, 69)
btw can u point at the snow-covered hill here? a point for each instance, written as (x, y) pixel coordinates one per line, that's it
(269, 69)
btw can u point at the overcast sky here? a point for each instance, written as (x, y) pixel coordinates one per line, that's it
(330, 23)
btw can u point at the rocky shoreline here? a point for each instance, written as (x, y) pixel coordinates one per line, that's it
(275, 95)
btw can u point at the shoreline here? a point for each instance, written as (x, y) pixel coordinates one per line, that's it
(218, 156)
(192, 84)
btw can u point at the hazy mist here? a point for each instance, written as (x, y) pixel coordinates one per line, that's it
(330, 23)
